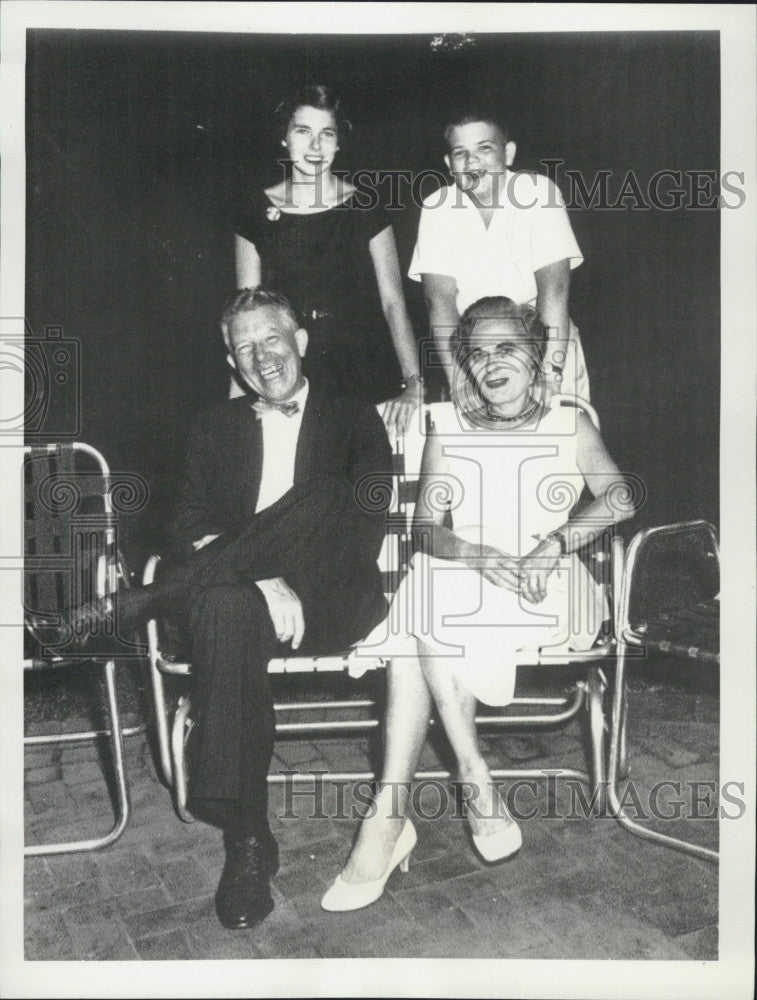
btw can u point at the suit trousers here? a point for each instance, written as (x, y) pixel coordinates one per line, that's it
(320, 542)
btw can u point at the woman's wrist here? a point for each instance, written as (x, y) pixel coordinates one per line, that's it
(412, 381)
(557, 541)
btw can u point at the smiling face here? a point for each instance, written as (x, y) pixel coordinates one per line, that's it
(501, 362)
(479, 157)
(312, 140)
(265, 348)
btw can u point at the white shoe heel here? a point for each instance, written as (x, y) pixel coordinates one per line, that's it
(344, 896)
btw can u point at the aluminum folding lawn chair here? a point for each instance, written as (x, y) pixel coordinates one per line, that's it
(71, 558)
(668, 604)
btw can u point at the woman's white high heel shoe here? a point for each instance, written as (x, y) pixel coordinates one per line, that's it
(344, 896)
(500, 845)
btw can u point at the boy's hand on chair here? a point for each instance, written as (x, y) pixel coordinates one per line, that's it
(397, 413)
(552, 381)
(285, 609)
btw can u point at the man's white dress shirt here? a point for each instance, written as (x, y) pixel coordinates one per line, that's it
(280, 434)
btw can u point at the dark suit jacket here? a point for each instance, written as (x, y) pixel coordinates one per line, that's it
(219, 489)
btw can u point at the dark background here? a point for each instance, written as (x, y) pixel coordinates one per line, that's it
(139, 146)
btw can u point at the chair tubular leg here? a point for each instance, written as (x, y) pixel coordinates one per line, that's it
(122, 791)
(595, 693)
(159, 700)
(178, 759)
(570, 707)
(567, 708)
(83, 736)
(617, 761)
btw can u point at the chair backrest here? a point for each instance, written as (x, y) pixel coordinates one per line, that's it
(69, 529)
(397, 549)
(672, 568)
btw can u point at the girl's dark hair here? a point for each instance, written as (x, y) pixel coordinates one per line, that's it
(313, 95)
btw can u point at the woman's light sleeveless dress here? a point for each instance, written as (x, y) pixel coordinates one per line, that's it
(505, 489)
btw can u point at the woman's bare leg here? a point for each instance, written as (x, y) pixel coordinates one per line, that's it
(457, 711)
(408, 708)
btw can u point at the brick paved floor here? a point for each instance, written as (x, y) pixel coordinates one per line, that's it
(580, 887)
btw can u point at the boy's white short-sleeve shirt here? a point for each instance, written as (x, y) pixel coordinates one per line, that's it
(528, 230)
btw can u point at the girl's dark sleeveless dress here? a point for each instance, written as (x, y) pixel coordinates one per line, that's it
(322, 264)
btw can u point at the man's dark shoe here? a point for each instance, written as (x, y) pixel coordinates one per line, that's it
(244, 898)
(270, 853)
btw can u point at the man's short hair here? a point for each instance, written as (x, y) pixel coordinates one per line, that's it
(469, 115)
(250, 299)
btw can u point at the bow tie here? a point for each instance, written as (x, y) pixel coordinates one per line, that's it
(263, 406)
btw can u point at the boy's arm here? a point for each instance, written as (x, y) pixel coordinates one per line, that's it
(440, 292)
(552, 288)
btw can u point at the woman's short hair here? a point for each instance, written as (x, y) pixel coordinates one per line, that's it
(313, 95)
(500, 307)
(250, 299)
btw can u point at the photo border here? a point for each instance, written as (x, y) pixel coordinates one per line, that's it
(732, 974)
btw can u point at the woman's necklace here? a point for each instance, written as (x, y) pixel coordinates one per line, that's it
(520, 418)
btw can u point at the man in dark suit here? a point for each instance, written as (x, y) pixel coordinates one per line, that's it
(281, 480)
(283, 557)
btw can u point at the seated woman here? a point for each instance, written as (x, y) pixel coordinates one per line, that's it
(506, 468)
